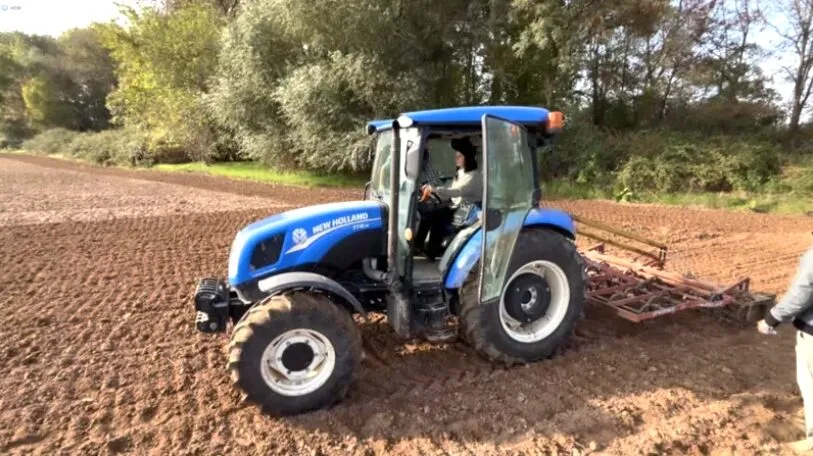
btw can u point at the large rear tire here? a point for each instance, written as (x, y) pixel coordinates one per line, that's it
(502, 331)
(294, 353)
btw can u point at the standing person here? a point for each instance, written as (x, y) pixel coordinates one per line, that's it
(796, 306)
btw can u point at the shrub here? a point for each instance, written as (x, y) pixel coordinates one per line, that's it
(579, 155)
(121, 146)
(51, 141)
(13, 132)
(693, 164)
(669, 170)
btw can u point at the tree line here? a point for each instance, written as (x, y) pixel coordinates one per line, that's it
(645, 84)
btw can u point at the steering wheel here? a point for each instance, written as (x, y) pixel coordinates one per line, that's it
(426, 194)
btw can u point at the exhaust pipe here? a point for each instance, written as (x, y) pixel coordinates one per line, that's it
(395, 177)
(398, 312)
(371, 272)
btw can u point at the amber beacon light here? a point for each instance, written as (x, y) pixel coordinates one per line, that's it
(556, 121)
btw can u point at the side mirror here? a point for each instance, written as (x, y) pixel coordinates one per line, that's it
(413, 167)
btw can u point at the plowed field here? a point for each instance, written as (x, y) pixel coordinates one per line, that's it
(100, 356)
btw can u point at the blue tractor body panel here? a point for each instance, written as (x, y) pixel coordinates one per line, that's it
(468, 116)
(298, 237)
(470, 253)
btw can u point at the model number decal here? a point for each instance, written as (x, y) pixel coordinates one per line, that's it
(339, 222)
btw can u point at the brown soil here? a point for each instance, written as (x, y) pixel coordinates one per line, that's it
(100, 354)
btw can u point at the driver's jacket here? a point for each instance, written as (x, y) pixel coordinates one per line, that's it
(467, 188)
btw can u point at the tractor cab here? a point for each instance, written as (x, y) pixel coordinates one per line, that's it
(438, 169)
(505, 140)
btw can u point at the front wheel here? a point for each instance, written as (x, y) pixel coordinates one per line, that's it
(294, 353)
(540, 303)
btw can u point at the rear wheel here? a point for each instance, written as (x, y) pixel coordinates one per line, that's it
(294, 353)
(541, 301)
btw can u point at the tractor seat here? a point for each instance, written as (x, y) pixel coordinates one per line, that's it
(465, 215)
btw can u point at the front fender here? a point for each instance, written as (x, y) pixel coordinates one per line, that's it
(460, 268)
(297, 280)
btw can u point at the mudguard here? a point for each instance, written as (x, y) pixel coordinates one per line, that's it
(470, 253)
(294, 280)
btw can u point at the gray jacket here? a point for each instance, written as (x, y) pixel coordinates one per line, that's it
(797, 303)
(467, 188)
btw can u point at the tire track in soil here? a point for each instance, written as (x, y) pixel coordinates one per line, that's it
(68, 310)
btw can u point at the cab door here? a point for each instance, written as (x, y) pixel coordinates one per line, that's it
(508, 190)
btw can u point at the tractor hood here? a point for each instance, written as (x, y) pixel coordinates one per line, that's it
(299, 237)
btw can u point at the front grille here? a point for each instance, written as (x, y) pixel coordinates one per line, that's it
(267, 252)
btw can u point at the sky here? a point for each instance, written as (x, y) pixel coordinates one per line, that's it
(772, 65)
(52, 17)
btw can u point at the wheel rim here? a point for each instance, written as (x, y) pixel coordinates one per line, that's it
(297, 362)
(554, 311)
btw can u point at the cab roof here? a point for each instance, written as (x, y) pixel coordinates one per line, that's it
(527, 116)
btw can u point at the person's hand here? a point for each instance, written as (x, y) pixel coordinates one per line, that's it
(764, 328)
(426, 192)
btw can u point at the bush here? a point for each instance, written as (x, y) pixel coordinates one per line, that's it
(51, 141)
(692, 164)
(109, 147)
(13, 132)
(579, 155)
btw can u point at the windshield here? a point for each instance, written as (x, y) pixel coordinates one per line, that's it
(382, 165)
(380, 180)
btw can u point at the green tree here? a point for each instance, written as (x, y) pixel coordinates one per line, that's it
(348, 61)
(89, 66)
(27, 57)
(45, 103)
(163, 65)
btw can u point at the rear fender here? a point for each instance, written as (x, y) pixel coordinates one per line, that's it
(291, 281)
(462, 265)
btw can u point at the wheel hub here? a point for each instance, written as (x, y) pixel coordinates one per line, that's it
(297, 357)
(543, 287)
(297, 362)
(527, 298)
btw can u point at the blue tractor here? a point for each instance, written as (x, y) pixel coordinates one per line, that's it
(509, 274)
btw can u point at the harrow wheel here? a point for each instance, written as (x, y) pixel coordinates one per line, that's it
(294, 353)
(542, 299)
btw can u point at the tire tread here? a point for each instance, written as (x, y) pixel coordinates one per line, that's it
(477, 321)
(299, 308)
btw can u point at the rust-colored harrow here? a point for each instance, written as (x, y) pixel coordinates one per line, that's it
(640, 289)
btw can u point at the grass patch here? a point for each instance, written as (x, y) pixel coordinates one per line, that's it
(259, 173)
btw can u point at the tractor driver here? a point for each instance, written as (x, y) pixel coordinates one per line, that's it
(466, 188)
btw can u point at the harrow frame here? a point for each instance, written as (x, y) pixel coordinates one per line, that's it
(640, 290)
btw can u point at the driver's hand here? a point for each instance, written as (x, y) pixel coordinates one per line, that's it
(428, 188)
